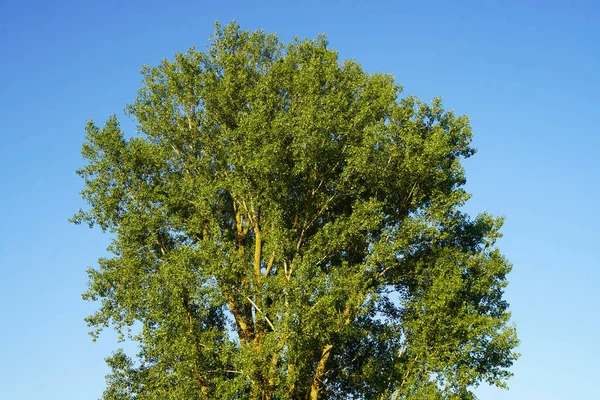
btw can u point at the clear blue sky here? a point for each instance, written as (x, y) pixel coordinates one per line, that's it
(526, 72)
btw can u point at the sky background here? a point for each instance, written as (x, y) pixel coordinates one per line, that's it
(526, 73)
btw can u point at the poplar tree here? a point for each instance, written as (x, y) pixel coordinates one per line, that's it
(285, 225)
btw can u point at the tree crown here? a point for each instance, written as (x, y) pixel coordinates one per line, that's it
(285, 226)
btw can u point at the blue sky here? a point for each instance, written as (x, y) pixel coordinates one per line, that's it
(526, 72)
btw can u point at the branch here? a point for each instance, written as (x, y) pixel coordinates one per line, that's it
(411, 190)
(161, 247)
(254, 218)
(264, 315)
(270, 264)
(315, 389)
(384, 271)
(257, 252)
(288, 272)
(239, 225)
(323, 208)
(275, 360)
(246, 330)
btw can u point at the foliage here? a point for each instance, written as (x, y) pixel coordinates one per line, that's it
(286, 227)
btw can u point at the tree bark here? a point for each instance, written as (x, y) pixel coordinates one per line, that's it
(315, 389)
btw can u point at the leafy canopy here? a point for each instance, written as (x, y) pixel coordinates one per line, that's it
(286, 227)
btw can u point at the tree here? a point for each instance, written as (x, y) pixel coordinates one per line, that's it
(285, 226)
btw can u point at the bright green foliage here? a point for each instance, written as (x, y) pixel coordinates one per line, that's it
(285, 227)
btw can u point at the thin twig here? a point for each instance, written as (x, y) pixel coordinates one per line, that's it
(264, 315)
